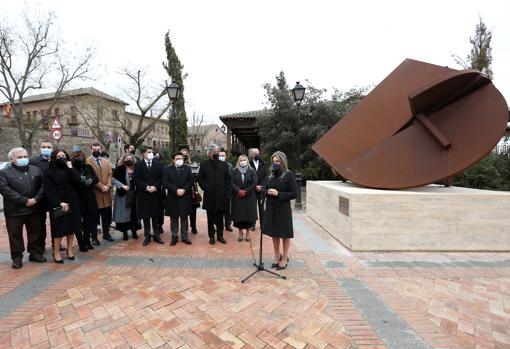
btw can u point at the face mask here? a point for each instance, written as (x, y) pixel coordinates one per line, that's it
(243, 163)
(96, 154)
(150, 156)
(221, 158)
(129, 162)
(45, 152)
(179, 163)
(22, 162)
(79, 161)
(215, 156)
(133, 152)
(276, 167)
(256, 157)
(62, 161)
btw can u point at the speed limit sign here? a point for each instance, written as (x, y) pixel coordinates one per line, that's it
(56, 135)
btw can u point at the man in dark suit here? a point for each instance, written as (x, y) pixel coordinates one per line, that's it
(214, 179)
(42, 161)
(260, 167)
(148, 179)
(177, 179)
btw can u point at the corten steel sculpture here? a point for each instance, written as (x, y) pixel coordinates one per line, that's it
(421, 124)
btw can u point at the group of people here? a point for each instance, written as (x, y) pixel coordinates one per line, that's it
(77, 191)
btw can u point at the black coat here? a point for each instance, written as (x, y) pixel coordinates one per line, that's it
(59, 186)
(17, 185)
(214, 179)
(173, 179)
(261, 171)
(85, 191)
(42, 163)
(277, 219)
(244, 209)
(149, 205)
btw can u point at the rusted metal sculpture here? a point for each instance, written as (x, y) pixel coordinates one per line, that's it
(421, 124)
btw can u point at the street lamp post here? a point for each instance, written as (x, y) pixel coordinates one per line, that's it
(173, 90)
(298, 93)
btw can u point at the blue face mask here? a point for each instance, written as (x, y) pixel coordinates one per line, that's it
(276, 167)
(22, 162)
(46, 152)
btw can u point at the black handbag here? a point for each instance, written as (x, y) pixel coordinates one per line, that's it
(59, 211)
(130, 197)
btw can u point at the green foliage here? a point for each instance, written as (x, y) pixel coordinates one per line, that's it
(278, 130)
(174, 69)
(492, 172)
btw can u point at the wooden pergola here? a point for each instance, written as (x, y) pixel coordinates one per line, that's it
(242, 130)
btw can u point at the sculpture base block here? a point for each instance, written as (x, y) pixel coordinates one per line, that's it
(430, 218)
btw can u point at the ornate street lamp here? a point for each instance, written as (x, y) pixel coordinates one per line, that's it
(173, 90)
(298, 93)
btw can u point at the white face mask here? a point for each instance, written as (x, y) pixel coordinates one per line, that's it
(150, 156)
(179, 163)
(243, 163)
(222, 158)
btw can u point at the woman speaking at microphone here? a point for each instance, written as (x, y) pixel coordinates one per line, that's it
(277, 221)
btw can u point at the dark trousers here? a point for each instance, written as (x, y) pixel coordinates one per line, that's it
(15, 231)
(193, 219)
(106, 219)
(147, 226)
(161, 221)
(89, 223)
(215, 219)
(174, 227)
(228, 219)
(42, 230)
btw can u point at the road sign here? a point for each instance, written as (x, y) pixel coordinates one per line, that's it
(56, 135)
(55, 124)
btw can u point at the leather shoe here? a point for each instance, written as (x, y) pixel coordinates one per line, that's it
(37, 258)
(135, 235)
(222, 240)
(211, 241)
(89, 246)
(229, 228)
(173, 242)
(146, 241)
(278, 267)
(95, 242)
(194, 231)
(158, 240)
(108, 237)
(187, 242)
(17, 264)
(125, 236)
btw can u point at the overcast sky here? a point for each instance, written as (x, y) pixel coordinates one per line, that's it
(230, 48)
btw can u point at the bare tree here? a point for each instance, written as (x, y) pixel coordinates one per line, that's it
(151, 105)
(197, 133)
(32, 58)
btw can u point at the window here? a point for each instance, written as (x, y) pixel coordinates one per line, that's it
(45, 124)
(115, 115)
(57, 111)
(154, 143)
(74, 119)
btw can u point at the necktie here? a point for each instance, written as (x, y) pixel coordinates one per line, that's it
(149, 165)
(98, 162)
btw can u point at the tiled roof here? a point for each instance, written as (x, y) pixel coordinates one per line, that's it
(76, 92)
(246, 115)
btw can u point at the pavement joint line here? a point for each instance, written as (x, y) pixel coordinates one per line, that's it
(28, 290)
(316, 243)
(394, 331)
(195, 263)
(427, 264)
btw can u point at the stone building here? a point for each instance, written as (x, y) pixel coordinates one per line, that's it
(86, 115)
(199, 137)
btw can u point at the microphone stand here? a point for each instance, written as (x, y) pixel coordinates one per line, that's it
(260, 266)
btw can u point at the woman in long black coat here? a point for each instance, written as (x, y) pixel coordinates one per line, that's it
(60, 180)
(244, 200)
(280, 189)
(87, 198)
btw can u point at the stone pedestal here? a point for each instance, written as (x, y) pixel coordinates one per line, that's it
(430, 218)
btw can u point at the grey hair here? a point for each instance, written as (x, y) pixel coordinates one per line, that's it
(14, 151)
(250, 151)
(212, 146)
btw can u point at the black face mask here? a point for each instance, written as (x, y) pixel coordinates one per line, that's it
(256, 157)
(79, 162)
(129, 162)
(133, 152)
(216, 156)
(62, 162)
(96, 154)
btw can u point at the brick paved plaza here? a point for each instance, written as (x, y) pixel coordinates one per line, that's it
(123, 295)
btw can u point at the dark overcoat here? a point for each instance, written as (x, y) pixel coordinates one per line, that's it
(177, 178)
(59, 186)
(277, 219)
(214, 179)
(244, 209)
(85, 190)
(148, 205)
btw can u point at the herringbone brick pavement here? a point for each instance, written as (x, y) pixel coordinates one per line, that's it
(124, 295)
